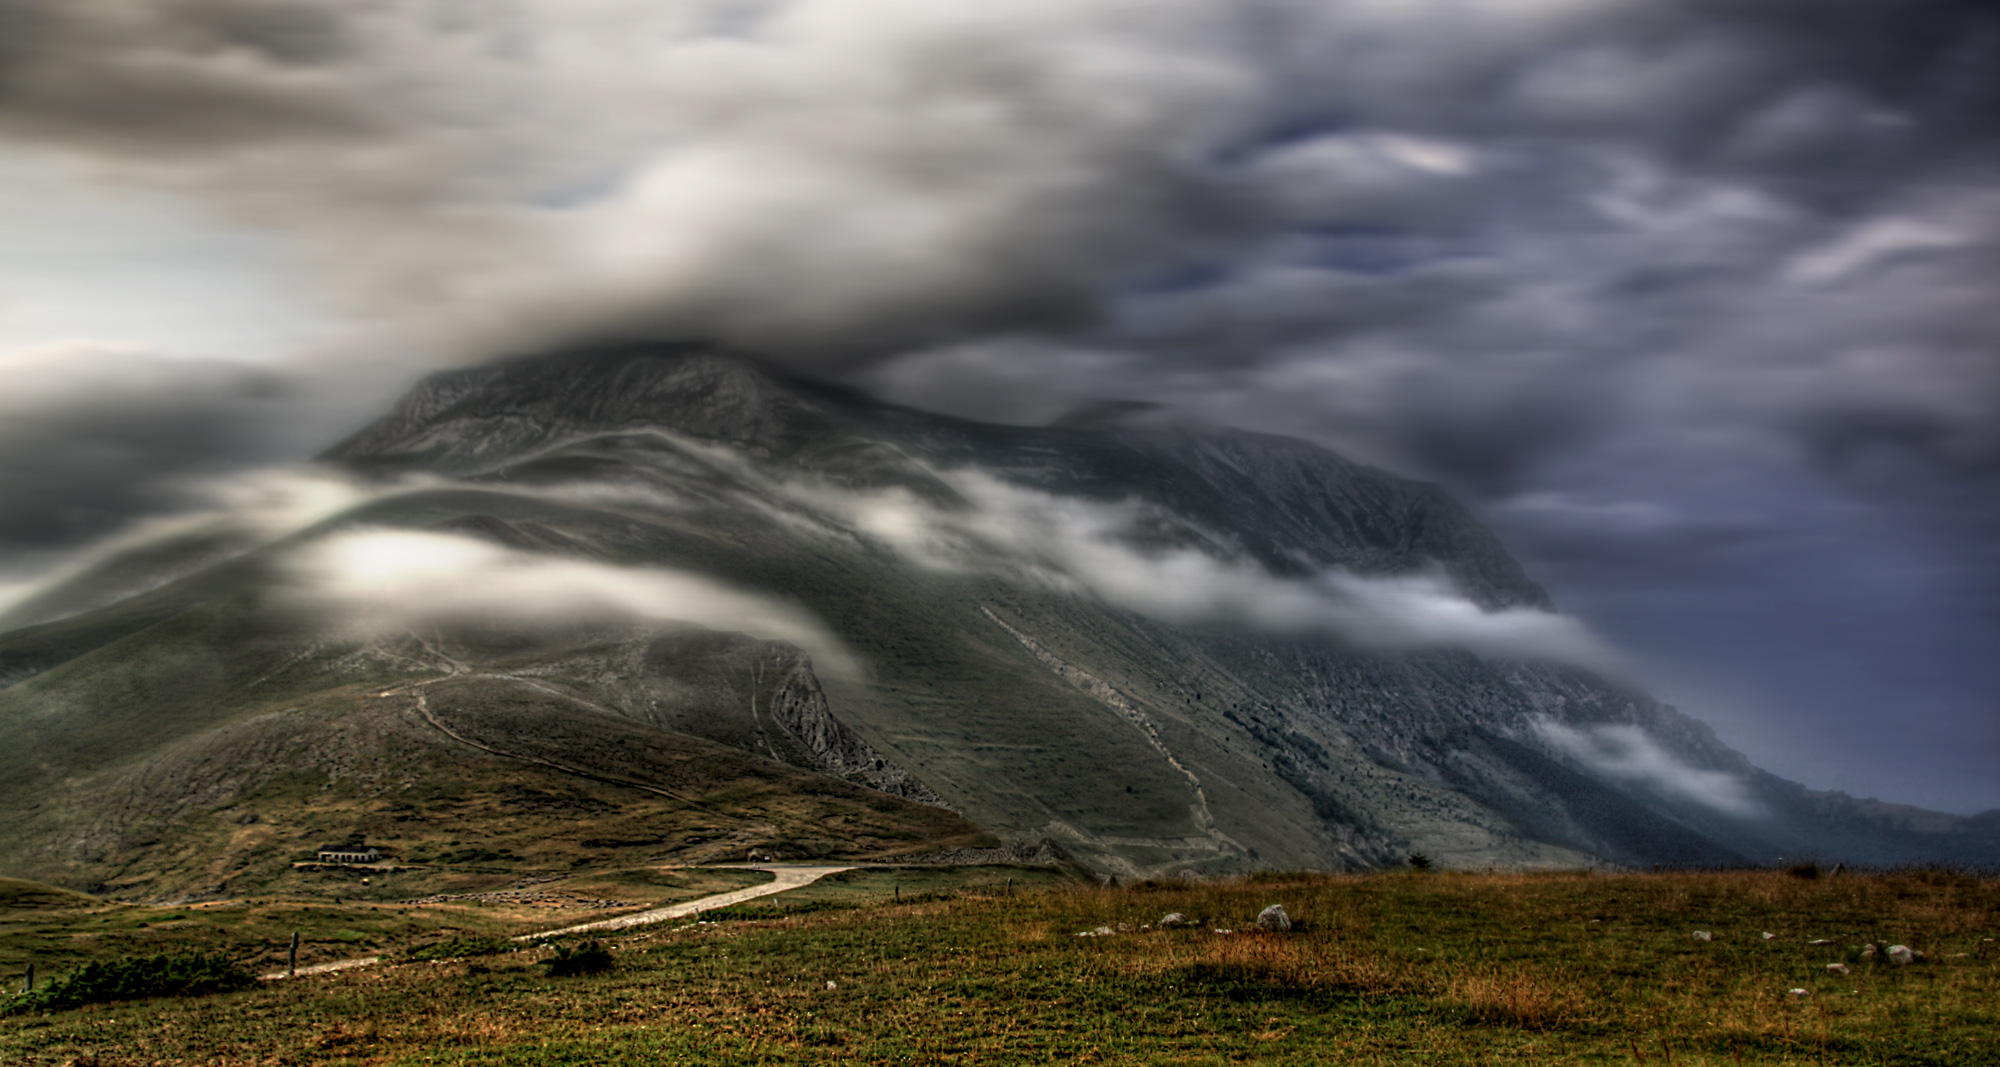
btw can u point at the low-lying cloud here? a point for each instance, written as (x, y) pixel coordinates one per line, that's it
(1145, 559)
(383, 581)
(1629, 754)
(216, 519)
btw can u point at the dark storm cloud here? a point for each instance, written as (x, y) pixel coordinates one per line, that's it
(100, 438)
(1727, 261)
(176, 79)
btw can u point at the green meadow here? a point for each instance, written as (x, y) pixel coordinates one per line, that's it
(985, 966)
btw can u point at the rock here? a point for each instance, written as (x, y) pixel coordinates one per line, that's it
(831, 984)
(1703, 935)
(1868, 951)
(1172, 919)
(1821, 941)
(1274, 918)
(1768, 935)
(1837, 968)
(1799, 992)
(1225, 931)
(1901, 954)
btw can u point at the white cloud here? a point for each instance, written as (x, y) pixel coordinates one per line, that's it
(1102, 549)
(380, 580)
(228, 517)
(1628, 754)
(1869, 244)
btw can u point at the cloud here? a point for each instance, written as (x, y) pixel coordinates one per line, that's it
(379, 580)
(211, 519)
(1629, 754)
(851, 177)
(1148, 560)
(93, 436)
(1485, 231)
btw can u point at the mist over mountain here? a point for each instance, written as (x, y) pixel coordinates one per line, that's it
(661, 598)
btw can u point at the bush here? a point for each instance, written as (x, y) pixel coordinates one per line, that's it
(752, 912)
(186, 974)
(585, 957)
(1419, 862)
(1808, 870)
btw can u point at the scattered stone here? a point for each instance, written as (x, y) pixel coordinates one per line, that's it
(1868, 951)
(1821, 941)
(831, 984)
(1174, 918)
(1901, 954)
(1837, 968)
(1799, 992)
(1274, 918)
(1225, 931)
(1703, 935)
(1768, 935)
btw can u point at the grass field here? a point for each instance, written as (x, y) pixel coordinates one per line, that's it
(1437, 968)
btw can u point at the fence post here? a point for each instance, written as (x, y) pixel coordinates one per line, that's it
(292, 958)
(29, 985)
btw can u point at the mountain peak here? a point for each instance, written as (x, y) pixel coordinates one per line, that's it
(460, 420)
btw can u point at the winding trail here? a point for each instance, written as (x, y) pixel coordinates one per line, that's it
(782, 879)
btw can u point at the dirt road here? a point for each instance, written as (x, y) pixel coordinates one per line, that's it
(786, 878)
(783, 878)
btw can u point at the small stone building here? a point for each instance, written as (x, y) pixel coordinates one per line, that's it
(349, 854)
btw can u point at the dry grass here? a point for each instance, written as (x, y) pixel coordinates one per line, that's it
(1442, 968)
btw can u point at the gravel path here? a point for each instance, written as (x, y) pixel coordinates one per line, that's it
(783, 878)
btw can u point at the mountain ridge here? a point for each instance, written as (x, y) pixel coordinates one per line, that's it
(1000, 664)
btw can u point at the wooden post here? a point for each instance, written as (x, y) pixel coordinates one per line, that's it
(1010, 887)
(899, 891)
(28, 986)
(292, 959)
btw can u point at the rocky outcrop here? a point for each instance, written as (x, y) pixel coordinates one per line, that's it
(798, 707)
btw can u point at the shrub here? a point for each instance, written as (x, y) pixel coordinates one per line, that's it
(1419, 862)
(1809, 869)
(585, 957)
(185, 974)
(752, 912)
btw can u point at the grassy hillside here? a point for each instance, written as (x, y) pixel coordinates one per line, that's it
(1435, 968)
(201, 752)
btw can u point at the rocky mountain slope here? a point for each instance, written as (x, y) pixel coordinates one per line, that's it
(742, 611)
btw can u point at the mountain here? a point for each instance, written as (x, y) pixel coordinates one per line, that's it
(654, 600)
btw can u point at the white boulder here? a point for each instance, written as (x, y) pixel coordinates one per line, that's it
(1274, 918)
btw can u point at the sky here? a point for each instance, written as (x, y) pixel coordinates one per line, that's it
(1693, 300)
